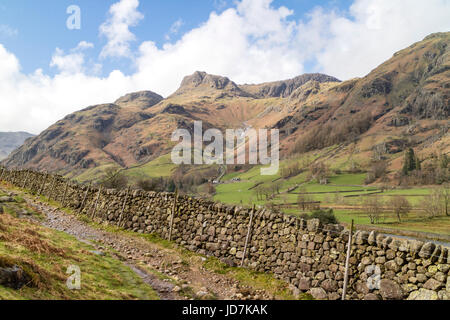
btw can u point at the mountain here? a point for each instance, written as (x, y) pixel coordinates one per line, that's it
(10, 141)
(402, 103)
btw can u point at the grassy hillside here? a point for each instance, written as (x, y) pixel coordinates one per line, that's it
(45, 255)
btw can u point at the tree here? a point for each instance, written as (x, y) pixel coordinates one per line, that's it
(431, 204)
(437, 202)
(373, 207)
(400, 206)
(304, 200)
(378, 169)
(409, 163)
(445, 195)
(319, 171)
(211, 189)
(148, 184)
(418, 164)
(114, 179)
(171, 187)
(445, 160)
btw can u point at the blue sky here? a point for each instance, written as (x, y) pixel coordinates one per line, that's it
(48, 71)
(41, 25)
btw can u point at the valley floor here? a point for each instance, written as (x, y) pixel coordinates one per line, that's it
(116, 264)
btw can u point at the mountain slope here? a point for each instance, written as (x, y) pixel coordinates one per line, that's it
(137, 128)
(402, 103)
(10, 141)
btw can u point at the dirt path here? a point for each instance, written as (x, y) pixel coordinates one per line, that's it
(173, 275)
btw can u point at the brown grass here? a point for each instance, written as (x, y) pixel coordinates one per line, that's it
(29, 238)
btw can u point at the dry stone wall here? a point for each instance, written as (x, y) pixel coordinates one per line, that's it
(309, 256)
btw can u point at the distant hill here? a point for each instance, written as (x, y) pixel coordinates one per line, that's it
(402, 103)
(10, 141)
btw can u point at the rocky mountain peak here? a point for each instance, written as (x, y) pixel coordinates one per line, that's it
(141, 99)
(204, 80)
(283, 89)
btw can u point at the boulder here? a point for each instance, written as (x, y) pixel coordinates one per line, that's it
(14, 277)
(318, 293)
(329, 285)
(371, 296)
(433, 284)
(304, 284)
(313, 225)
(423, 294)
(390, 290)
(426, 250)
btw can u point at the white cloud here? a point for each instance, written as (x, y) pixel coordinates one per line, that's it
(351, 45)
(8, 31)
(250, 43)
(116, 29)
(73, 62)
(174, 28)
(84, 45)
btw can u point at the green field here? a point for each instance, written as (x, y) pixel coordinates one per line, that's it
(345, 193)
(160, 167)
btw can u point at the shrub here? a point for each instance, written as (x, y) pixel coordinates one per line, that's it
(325, 216)
(114, 179)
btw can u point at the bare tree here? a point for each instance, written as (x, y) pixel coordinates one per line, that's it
(437, 203)
(400, 206)
(374, 208)
(304, 200)
(445, 196)
(431, 204)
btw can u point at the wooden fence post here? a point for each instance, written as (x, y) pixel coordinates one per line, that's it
(52, 188)
(13, 177)
(248, 235)
(347, 261)
(96, 202)
(3, 171)
(41, 190)
(65, 194)
(123, 207)
(84, 198)
(175, 200)
(26, 180)
(33, 186)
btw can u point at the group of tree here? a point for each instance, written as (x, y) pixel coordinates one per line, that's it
(435, 170)
(265, 191)
(319, 171)
(291, 170)
(437, 203)
(378, 169)
(305, 201)
(411, 162)
(334, 132)
(375, 208)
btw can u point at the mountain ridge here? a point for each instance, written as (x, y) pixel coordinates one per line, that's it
(410, 89)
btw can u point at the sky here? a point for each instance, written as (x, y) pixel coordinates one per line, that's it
(57, 57)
